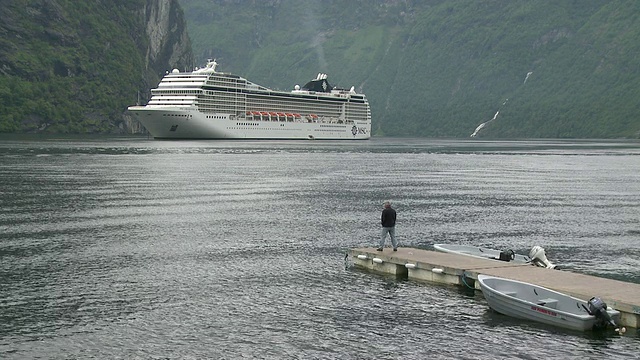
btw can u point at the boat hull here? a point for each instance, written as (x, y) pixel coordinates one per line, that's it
(189, 123)
(531, 302)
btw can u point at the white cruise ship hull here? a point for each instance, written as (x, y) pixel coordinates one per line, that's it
(189, 123)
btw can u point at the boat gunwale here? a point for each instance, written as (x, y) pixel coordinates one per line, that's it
(585, 316)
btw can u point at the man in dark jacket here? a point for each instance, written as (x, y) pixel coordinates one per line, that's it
(388, 221)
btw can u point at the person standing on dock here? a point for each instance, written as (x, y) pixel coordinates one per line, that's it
(388, 221)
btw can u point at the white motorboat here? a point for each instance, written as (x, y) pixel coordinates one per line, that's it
(532, 302)
(536, 256)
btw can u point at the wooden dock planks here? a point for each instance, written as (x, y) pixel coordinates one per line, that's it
(427, 265)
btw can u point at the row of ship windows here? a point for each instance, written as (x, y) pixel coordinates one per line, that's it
(244, 84)
(274, 117)
(283, 105)
(285, 128)
(307, 119)
(330, 130)
(217, 106)
(295, 104)
(222, 94)
(240, 97)
(332, 126)
(217, 109)
(295, 107)
(175, 92)
(355, 110)
(225, 81)
(281, 109)
(269, 102)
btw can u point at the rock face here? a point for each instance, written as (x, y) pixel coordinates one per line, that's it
(169, 45)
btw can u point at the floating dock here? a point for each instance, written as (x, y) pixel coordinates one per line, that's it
(454, 269)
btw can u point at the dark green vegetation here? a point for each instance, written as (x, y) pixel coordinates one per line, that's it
(429, 68)
(440, 68)
(72, 66)
(67, 66)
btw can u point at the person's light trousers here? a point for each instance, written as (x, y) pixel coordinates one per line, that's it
(392, 234)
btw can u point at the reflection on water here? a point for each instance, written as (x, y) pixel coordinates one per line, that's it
(129, 247)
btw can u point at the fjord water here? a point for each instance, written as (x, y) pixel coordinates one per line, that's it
(135, 248)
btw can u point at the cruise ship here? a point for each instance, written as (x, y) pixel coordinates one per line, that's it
(207, 104)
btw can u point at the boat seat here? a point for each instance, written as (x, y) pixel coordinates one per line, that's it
(551, 303)
(510, 293)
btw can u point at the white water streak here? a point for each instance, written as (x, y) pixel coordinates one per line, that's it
(526, 77)
(313, 24)
(486, 122)
(481, 126)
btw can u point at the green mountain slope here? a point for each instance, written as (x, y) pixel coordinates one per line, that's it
(441, 68)
(430, 68)
(74, 66)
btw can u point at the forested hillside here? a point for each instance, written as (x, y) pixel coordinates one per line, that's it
(542, 68)
(433, 68)
(74, 66)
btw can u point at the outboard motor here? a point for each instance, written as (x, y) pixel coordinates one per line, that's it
(539, 258)
(598, 308)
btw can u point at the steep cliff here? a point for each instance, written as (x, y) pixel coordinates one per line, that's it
(74, 66)
(167, 47)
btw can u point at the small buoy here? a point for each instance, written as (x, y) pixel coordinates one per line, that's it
(437, 270)
(377, 260)
(410, 266)
(362, 257)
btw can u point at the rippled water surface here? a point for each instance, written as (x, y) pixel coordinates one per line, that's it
(135, 248)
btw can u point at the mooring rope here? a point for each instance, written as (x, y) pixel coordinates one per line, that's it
(464, 281)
